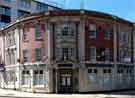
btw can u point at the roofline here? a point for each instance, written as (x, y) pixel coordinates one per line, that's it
(49, 13)
(115, 17)
(19, 21)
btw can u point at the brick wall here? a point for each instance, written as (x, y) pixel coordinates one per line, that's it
(32, 43)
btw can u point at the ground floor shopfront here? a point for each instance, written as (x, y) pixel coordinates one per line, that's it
(67, 78)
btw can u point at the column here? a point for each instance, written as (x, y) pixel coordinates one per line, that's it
(56, 82)
(81, 40)
(45, 79)
(83, 77)
(115, 54)
(2, 80)
(20, 76)
(81, 51)
(32, 80)
(50, 80)
(49, 41)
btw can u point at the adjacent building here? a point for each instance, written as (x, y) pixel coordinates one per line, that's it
(68, 51)
(10, 10)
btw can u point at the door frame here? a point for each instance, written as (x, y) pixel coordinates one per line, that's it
(66, 72)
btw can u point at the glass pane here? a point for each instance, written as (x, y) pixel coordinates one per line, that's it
(35, 79)
(63, 81)
(68, 81)
(41, 80)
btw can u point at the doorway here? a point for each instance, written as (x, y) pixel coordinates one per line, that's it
(65, 81)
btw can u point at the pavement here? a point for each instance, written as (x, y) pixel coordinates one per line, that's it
(4, 93)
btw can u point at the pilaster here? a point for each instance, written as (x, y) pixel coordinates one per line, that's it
(115, 41)
(32, 80)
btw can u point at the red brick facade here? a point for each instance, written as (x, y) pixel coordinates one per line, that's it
(99, 42)
(31, 44)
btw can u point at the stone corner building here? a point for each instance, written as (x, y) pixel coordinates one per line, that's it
(68, 51)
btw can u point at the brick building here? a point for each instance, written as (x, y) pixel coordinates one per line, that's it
(68, 51)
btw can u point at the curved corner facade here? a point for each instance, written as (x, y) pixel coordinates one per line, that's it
(68, 51)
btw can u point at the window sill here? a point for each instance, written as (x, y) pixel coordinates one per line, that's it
(25, 40)
(26, 63)
(39, 39)
(10, 83)
(38, 62)
(107, 39)
(25, 85)
(39, 85)
(92, 37)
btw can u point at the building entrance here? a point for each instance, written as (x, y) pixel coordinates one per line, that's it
(65, 81)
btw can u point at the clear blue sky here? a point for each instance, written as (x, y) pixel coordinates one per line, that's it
(121, 8)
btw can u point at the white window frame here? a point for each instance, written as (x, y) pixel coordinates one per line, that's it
(107, 35)
(25, 55)
(107, 54)
(70, 30)
(38, 54)
(92, 57)
(25, 35)
(38, 78)
(38, 31)
(26, 77)
(59, 52)
(92, 30)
